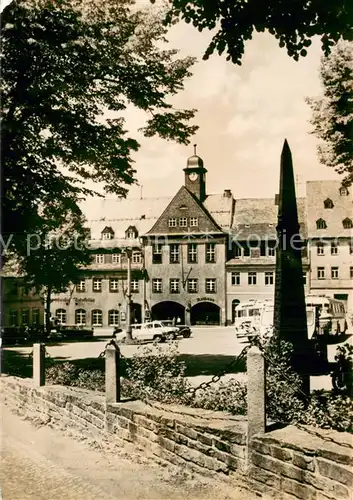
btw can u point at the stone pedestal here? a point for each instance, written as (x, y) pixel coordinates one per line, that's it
(38, 365)
(112, 374)
(256, 394)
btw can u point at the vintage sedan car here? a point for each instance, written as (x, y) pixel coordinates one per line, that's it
(179, 330)
(154, 331)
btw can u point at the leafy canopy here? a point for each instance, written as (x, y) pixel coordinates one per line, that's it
(293, 22)
(332, 113)
(70, 69)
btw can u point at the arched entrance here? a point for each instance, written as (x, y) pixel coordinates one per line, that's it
(168, 310)
(205, 313)
(136, 313)
(235, 302)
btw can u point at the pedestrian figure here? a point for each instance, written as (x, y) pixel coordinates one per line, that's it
(174, 321)
(178, 320)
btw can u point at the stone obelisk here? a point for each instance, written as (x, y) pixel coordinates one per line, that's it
(290, 311)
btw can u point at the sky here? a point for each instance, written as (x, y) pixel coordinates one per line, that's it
(244, 114)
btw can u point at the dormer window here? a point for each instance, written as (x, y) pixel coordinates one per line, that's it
(321, 224)
(343, 191)
(328, 203)
(347, 223)
(131, 233)
(107, 233)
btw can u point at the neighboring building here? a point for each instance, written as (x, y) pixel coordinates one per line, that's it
(330, 229)
(194, 256)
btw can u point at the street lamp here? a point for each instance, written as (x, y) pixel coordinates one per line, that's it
(128, 253)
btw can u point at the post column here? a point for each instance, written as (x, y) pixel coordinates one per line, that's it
(38, 365)
(112, 374)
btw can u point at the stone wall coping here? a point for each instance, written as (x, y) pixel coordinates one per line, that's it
(312, 440)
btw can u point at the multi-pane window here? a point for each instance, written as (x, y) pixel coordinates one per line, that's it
(334, 248)
(193, 285)
(61, 315)
(134, 285)
(320, 249)
(113, 284)
(269, 278)
(351, 272)
(320, 273)
(210, 285)
(304, 278)
(107, 236)
(192, 253)
(157, 253)
(174, 253)
(210, 252)
(81, 286)
(99, 258)
(194, 221)
(97, 284)
(235, 277)
(136, 258)
(80, 317)
(251, 278)
(97, 317)
(347, 223)
(25, 316)
(174, 285)
(321, 224)
(172, 222)
(157, 285)
(237, 251)
(271, 251)
(113, 317)
(131, 235)
(35, 316)
(116, 258)
(14, 317)
(334, 273)
(183, 221)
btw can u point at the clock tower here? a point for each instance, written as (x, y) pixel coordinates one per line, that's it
(195, 176)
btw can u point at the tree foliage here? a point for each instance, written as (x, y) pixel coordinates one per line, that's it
(70, 69)
(332, 113)
(293, 22)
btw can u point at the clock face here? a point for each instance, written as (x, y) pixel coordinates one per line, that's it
(193, 176)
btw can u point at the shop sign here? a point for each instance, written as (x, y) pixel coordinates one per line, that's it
(202, 299)
(83, 299)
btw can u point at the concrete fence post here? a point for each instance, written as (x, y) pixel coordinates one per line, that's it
(112, 374)
(256, 395)
(38, 365)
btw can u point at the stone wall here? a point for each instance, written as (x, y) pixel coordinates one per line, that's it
(286, 463)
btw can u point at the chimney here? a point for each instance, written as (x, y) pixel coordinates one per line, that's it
(227, 193)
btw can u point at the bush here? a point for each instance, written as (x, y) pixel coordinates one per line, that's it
(329, 411)
(225, 396)
(68, 374)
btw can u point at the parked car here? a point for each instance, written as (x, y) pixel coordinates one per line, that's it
(154, 331)
(180, 330)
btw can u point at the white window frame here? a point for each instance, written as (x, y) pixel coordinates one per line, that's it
(271, 251)
(194, 221)
(25, 316)
(113, 284)
(320, 249)
(107, 236)
(172, 222)
(269, 278)
(335, 273)
(116, 258)
(235, 278)
(183, 222)
(174, 253)
(97, 313)
(60, 314)
(193, 285)
(136, 257)
(157, 249)
(83, 314)
(113, 317)
(192, 253)
(81, 286)
(320, 273)
(35, 320)
(14, 317)
(97, 284)
(174, 285)
(135, 286)
(252, 278)
(157, 285)
(131, 235)
(210, 253)
(99, 258)
(334, 249)
(210, 285)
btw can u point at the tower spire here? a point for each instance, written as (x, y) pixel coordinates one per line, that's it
(195, 146)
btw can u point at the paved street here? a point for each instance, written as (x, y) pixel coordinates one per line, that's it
(217, 342)
(45, 464)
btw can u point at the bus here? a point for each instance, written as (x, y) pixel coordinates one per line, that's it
(325, 316)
